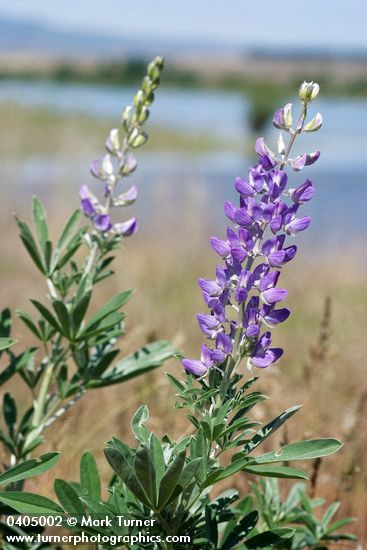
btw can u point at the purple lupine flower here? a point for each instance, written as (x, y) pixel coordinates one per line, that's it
(302, 193)
(88, 208)
(199, 367)
(252, 253)
(103, 222)
(282, 118)
(311, 158)
(262, 356)
(127, 228)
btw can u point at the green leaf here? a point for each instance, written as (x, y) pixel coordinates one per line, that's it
(330, 513)
(157, 458)
(145, 472)
(30, 468)
(9, 411)
(147, 358)
(339, 524)
(108, 324)
(302, 450)
(94, 371)
(124, 469)
(6, 343)
(68, 231)
(190, 470)
(80, 310)
(68, 497)
(110, 307)
(62, 380)
(29, 503)
(40, 222)
(138, 421)
(62, 316)
(176, 383)
(270, 428)
(89, 476)
(5, 323)
(28, 321)
(170, 478)
(275, 471)
(30, 245)
(240, 530)
(47, 315)
(16, 365)
(269, 538)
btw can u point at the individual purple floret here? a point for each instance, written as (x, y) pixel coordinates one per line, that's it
(109, 173)
(255, 251)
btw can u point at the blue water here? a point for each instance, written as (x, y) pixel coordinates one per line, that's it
(338, 209)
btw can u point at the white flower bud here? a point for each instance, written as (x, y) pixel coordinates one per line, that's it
(128, 117)
(288, 115)
(137, 139)
(107, 166)
(113, 141)
(281, 144)
(308, 91)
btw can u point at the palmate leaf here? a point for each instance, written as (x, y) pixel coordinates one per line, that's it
(147, 358)
(29, 468)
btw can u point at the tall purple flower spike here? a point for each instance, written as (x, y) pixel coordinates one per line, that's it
(254, 252)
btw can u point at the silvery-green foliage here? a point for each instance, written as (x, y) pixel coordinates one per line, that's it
(314, 528)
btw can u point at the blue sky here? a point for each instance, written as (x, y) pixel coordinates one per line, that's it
(312, 23)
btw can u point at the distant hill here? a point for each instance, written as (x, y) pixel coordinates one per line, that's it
(27, 36)
(23, 35)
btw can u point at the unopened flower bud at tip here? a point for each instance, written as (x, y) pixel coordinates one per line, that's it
(308, 91)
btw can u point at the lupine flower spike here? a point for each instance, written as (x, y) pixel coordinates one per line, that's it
(119, 161)
(254, 252)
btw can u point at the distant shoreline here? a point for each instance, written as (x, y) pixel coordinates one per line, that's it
(258, 74)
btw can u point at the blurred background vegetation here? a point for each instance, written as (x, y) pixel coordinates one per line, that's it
(62, 89)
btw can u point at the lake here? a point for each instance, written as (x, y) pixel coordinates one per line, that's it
(338, 210)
